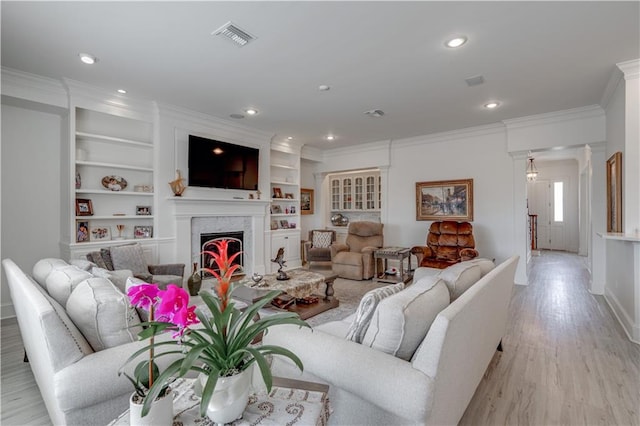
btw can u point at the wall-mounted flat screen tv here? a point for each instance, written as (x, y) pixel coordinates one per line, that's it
(217, 164)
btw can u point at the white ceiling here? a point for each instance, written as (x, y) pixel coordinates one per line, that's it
(535, 57)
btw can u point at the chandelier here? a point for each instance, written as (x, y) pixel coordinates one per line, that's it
(532, 172)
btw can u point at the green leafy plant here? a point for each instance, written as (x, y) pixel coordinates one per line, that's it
(221, 344)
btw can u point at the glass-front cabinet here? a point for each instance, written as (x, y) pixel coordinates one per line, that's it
(359, 191)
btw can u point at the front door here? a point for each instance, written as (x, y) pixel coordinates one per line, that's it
(547, 201)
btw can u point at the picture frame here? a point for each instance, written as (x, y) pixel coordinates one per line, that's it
(100, 233)
(82, 231)
(277, 192)
(288, 196)
(614, 193)
(142, 231)
(306, 201)
(274, 224)
(445, 200)
(284, 224)
(84, 207)
(143, 210)
(276, 209)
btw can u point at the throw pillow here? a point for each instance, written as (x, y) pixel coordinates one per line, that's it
(130, 257)
(43, 268)
(103, 314)
(83, 264)
(106, 256)
(460, 277)
(61, 282)
(131, 281)
(96, 257)
(117, 277)
(321, 239)
(367, 307)
(401, 322)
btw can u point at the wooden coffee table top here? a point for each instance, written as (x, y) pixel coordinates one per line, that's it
(301, 283)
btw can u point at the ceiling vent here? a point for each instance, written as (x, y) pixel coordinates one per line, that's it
(374, 113)
(474, 81)
(231, 32)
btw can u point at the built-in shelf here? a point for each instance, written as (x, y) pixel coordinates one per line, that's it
(283, 182)
(112, 139)
(114, 217)
(284, 166)
(118, 193)
(113, 166)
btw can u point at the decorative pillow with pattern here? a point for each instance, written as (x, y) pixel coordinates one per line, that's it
(321, 239)
(130, 257)
(367, 307)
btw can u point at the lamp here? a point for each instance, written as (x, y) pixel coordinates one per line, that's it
(532, 172)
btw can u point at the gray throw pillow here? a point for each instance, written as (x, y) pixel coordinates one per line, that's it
(367, 307)
(130, 257)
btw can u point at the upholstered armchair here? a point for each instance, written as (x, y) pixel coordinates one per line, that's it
(354, 259)
(318, 247)
(448, 243)
(131, 257)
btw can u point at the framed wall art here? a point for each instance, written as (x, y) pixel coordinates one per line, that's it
(614, 193)
(306, 201)
(445, 200)
(84, 207)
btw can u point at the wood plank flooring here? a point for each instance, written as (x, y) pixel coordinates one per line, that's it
(566, 360)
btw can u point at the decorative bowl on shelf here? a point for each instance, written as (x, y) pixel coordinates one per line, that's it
(339, 220)
(114, 183)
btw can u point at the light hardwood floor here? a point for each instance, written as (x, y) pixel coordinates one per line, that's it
(566, 360)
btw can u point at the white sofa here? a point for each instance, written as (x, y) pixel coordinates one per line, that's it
(431, 386)
(75, 370)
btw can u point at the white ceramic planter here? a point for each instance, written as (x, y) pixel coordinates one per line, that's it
(230, 397)
(161, 413)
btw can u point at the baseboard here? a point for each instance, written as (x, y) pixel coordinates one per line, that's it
(631, 329)
(7, 311)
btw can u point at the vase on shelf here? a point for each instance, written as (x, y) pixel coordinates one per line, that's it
(194, 283)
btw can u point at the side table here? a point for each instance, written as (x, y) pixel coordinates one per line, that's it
(290, 401)
(395, 253)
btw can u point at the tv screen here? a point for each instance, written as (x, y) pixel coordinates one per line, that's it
(217, 164)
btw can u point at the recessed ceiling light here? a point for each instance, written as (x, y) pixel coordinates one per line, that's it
(323, 88)
(492, 105)
(237, 116)
(88, 59)
(330, 137)
(456, 41)
(290, 138)
(251, 111)
(122, 91)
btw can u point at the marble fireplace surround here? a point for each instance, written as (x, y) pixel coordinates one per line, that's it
(196, 215)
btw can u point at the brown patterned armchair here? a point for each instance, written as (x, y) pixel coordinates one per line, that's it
(448, 243)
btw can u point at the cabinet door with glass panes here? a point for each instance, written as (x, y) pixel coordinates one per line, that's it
(347, 193)
(335, 194)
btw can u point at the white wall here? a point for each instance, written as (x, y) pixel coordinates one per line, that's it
(31, 188)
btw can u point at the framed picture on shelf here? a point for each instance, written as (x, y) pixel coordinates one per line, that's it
(274, 224)
(284, 224)
(142, 231)
(445, 200)
(276, 209)
(277, 192)
(84, 207)
(100, 233)
(288, 195)
(306, 201)
(82, 232)
(292, 210)
(143, 210)
(614, 193)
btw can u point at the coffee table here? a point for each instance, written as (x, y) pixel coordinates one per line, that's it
(302, 283)
(290, 401)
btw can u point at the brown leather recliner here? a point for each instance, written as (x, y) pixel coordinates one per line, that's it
(354, 259)
(448, 243)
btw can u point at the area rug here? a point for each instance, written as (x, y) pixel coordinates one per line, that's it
(349, 293)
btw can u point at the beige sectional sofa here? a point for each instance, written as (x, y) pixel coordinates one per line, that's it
(78, 329)
(422, 355)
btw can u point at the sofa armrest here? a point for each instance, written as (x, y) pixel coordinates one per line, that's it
(468, 254)
(167, 269)
(337, 248)
(374, 376)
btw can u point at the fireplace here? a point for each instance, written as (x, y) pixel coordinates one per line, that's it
(236, 245)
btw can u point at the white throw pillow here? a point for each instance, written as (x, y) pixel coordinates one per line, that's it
(83, 264)
(401, 322)
(461, 276)
(61, 282)
(103, 314)
(321, 239)
(117, 277)
(367, 307)
(43, 268)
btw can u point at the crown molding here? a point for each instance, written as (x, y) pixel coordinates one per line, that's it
(555, 117)
(610, 89)
(631, 69)
(35, 88)
(489, 129)
(311, 153)
(358, 149)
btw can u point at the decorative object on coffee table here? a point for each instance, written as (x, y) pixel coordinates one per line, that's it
(282, 276)
(194, 282)
(177, 185)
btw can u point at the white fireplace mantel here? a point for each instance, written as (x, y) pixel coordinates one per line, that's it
(187, 208)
